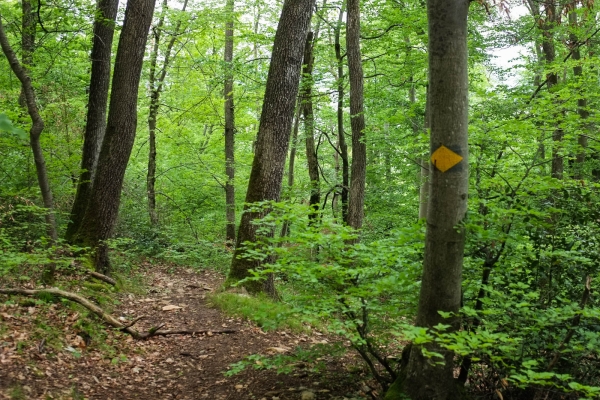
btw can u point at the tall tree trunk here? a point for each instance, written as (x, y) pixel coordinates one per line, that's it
(102, 210)
(104, 27)
(229, 124)
(156, 84)
(37, 126)
(357, 118)
(340, 114)
(581, 101)
(309, 120)
(424, 379)
(547, 26)
(274, 131)
(309, 129)
(28, 22)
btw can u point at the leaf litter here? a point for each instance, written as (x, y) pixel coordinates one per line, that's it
(63, 362)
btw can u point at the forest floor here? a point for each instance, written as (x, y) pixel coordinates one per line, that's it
(44, 355)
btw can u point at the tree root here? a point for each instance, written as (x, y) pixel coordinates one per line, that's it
(109, 319)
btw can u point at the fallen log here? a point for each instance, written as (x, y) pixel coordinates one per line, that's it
(107, 318)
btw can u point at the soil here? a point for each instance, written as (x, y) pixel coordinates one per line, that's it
(170, 367)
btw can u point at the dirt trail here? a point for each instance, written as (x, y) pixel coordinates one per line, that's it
(172, 367)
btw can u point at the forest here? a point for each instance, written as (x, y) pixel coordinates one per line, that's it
(299, 199)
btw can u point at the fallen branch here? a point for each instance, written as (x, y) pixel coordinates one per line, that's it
(104, 278)
(107, 318)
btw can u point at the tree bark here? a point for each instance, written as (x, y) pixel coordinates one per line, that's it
(356, 199)
(424, 168)
(102, 210)
(95, 126)
(229, 124)
(28, 22)
(274, 130)
(155, 82)
(422, 378)
(309, 129)
(581, 101)
(547, 25)
(340, 114)
(37, 126)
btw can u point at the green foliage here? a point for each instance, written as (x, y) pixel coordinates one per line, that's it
(310, 359)
(263, 311)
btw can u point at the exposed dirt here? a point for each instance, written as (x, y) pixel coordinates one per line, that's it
(171, 367)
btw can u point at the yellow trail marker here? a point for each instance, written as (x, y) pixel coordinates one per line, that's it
(444, 158)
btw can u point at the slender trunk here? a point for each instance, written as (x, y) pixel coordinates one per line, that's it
(340, 114)
(37, 126)
(285, 229)
(102, 211)
(229, 124)
(309, 130)
(28, 22)
(425, 379)
(581, 101)
(104, 27)
(274, 132)
(357, 118)
(155, 82)
(548, 49)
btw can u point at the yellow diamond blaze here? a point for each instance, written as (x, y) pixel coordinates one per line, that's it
(444, 158)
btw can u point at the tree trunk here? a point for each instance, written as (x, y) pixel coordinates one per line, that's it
(229, 125)
(37, 126)
(340, 115)
(581, 101)
(309, 129)
(274, 130)
(422, 378)
(95, 126)
(155, 82)
(102, 210)
(357, 118)
(28, 22)
(547, 25)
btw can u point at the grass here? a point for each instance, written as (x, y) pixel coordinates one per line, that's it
(263, 311)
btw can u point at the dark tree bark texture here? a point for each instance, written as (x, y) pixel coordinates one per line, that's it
(358, 175)
(423, 379)
(343, 147)
(229, 125)
(102, 210)
(274, 130)
(309, 129)
(95, 126)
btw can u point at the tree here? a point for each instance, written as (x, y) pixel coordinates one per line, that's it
(156, 82)
(423, 378)
(95, 126)
(357, 118)
(343, 147)
(274, 131)
(37, 126)
(102, 210)
(229, 123)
